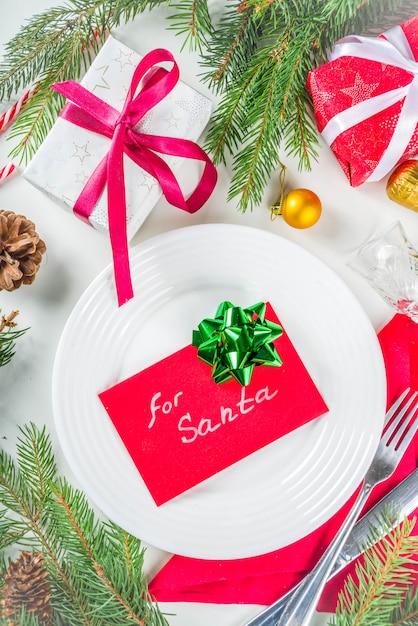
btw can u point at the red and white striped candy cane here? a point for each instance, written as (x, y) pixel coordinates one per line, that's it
(6, 172)
(7, 118)
(13, 111)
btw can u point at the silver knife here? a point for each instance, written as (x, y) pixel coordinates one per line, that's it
(401, 501)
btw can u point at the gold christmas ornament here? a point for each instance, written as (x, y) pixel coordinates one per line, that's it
(402, 186)
(300, 208)
(26, 586)
(21, 251)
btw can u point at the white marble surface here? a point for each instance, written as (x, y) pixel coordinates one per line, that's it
(76, 254)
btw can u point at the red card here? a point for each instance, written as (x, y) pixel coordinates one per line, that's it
(181, 428)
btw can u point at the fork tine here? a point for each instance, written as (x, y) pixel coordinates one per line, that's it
(408, 432)
(394, 424)
(405, 417)
(391, 412)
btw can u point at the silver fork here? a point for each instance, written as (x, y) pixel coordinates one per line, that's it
(298, 606)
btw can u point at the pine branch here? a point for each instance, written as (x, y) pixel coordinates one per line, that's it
(87, 540)
(37, 463)
(407, 613)
(25, 491)
(262, 137)
(300, 33)
(370, 17)
(91, 547)
(14, 494)
(383, 581)
(95, 568)
(260, 110)
(56, 45)
(191, 20)
(59, 44)
(22, 618)
(232, 45)
(8, 337)
(72, 33)
(17, 497)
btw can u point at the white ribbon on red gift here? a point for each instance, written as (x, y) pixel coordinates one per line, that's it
(393, 49)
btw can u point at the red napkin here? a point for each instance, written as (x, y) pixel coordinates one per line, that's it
(264, 579)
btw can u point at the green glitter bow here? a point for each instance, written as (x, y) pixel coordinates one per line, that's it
(236, 340)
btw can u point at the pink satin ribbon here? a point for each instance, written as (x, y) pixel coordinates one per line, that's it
(90, 112)
(393, 50)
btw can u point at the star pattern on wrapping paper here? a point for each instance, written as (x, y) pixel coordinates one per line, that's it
(123, 92)
(148, 182)
(389, 124)
(372, 164)
(321, 98)
(173, 121)
(360, 91)
(70, 202)
(145, 123)
(48, 187)
(81, 152)
(364, 171)
(81, 177)
(195, 110)
(102, 84)
(362, 162)
(124, 58)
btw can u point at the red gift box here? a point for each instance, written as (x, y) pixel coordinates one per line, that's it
(366, 101)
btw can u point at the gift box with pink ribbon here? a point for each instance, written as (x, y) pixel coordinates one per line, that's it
(119, 144)
(366, 101)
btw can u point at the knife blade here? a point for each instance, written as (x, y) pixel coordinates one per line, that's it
(401, 501)
(398, 503)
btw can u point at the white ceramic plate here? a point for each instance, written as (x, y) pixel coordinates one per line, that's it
(275, 496)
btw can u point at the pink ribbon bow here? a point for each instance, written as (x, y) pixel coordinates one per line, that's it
(90, 112)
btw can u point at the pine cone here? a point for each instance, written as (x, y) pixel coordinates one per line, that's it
(21, 251)
(26, 585)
